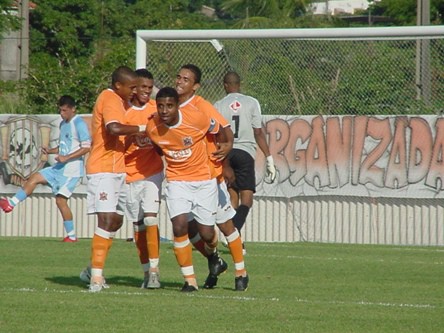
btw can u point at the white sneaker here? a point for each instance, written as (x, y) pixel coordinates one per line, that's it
(151, 281)
(85, 276)
(97, 286)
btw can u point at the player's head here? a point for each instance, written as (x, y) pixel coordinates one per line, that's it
(144, 89)
(124, 82)
(232, 82)
(167, 101)
(188, 81)
(67, 107)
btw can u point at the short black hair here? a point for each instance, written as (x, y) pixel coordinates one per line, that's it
(195, 70)
(121, 74)
(168, 92)
(142, 72)
(67, 100)
(232, 77)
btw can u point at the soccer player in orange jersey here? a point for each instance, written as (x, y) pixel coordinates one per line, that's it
(144, 176)
(105, 168)
(190, 187)
(187, 82)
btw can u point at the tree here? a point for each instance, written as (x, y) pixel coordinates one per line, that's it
(264, 13)
(8, 21)
(76, 44)
(404, 11)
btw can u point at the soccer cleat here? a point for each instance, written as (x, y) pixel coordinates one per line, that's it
(85, 276)
(5, 205)
(151, 281)
(241, 283)
(210, 282)
(67, 239)
(95, 287)
(216, 265)
(188, 288)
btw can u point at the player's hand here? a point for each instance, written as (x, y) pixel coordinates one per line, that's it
(45, 150)
(223, 149)
(228, 174)
(271, 170)
(61, 159)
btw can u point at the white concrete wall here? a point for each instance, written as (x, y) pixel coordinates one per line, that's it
(312, 219)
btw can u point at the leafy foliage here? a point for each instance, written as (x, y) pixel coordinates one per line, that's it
(76, 44)
(8, 21)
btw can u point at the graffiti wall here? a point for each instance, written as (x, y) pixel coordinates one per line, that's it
(399, 157)
(356, 156)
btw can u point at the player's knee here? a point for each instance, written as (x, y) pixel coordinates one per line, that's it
(150, 220)
(207, 234)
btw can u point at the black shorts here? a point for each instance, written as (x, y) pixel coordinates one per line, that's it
(243, 167)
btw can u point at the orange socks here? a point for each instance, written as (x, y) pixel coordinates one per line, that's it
(183, 252)
(235, 246)
(101, 243)
(153, 240)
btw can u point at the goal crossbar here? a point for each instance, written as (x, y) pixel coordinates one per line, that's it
(413, 32)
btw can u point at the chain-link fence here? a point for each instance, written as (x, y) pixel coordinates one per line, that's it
(313, 76)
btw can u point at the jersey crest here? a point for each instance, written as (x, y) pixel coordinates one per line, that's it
(235, 106)
(187, 141)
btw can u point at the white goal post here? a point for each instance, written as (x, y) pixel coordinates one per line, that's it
(143, 36)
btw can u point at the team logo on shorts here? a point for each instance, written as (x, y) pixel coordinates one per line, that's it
(103, 196)
(187, 141)
(235, 106)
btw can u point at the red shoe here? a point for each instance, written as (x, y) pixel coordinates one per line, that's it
(5, 205)
(69, 240)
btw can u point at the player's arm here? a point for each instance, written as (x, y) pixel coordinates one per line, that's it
(78, 153)
(116, 128)
(54, 150)
(259, 136)
(115, 123)
(228, 172)
(224, 147)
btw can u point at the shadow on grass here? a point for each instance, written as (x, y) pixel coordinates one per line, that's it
(127, 281)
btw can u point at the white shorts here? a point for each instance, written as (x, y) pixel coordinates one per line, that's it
(106, 193)
(198, 198)
(143, 196)
(225, 210)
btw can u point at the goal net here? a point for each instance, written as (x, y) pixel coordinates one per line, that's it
(396, 70)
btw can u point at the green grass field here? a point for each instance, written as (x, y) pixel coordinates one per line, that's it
(294, 287)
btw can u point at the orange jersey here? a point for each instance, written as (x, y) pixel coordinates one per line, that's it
(107, 150)
(199, 104)
(141, 159)
(183, 145)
